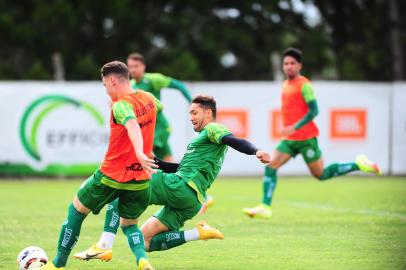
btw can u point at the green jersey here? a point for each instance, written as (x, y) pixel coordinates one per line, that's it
(153, 83)
(204, 158)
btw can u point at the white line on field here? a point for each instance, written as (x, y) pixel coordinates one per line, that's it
(326, 207)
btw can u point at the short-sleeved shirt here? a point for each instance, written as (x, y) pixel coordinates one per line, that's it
(120, 162)
(203, 159)
(296, 94)
(152, 83)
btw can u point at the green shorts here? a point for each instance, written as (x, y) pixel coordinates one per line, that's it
(132, 203)
(308, 148)
(161, 137)
(179, 200)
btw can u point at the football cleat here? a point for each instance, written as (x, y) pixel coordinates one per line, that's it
(366, 165)
(51, 266)
(207, 232)
(259, 211)
(144, 264)
(95, 253)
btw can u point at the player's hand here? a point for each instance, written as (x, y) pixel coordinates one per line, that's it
(263, 156)
(147, 164)
(287, 131)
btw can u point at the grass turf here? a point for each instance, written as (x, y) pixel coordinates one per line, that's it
(348, 223)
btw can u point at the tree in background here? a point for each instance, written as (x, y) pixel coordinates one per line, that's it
(200, 40)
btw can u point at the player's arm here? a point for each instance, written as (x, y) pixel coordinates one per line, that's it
(168, 167)
(175, 84)
(219, 134)
(310, 99)
(123, 113)
(245, 147)
(239, 144)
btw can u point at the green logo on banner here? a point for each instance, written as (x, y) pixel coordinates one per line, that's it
(49, 104)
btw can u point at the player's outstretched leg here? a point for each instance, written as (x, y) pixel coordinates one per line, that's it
(67, 239)
(362, 163)
(263, 210)
(171, 239)
(103, 250)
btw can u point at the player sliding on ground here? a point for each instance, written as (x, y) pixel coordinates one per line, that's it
(125, 171)
(299, 108)
(183, 191)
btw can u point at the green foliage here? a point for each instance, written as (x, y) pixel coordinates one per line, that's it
(187, 39)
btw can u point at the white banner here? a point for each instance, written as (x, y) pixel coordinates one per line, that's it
(63, 127)
(399, 129)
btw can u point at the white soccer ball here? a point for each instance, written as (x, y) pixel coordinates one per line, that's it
(31, 258)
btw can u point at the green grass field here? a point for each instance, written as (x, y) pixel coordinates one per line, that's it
(349, 223)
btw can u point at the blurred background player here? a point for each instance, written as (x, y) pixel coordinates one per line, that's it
(299, 108)
(153, 83)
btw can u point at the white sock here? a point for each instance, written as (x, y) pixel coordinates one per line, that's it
(106, 240)
(191, 235)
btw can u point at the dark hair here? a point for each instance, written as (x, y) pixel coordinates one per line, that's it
(115, 67)
(295, 53)
(207, 102)
(136, 57)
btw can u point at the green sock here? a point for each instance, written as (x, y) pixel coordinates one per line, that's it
(135, 240)
(112, 219)
(167, 240)
(337, 169)
(269, 185)
(69, 236)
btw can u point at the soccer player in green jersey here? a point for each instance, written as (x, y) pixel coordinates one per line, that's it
(153, 83)
(299, 108)
(182, 192)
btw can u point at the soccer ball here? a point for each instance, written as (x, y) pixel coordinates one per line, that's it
(31, 258)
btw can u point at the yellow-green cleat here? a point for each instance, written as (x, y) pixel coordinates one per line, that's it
(51, 266)
(95, 253)
(366, 165)
(144, 264)
(259, 211)
(207, 232)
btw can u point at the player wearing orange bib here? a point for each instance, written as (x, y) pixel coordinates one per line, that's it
(299, 108)
(125, 171)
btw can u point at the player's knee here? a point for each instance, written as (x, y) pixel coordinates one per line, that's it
(318, 175)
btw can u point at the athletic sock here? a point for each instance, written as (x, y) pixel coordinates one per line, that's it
(337, 169)
(111, 224)
(106, 240)
(269, 185)
(167, 240)
(69, 235)
(135, 240)
(191, 235)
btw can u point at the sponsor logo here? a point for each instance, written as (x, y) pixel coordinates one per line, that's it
(66, 237)
(348, 124)
(114, 219)
(39, 109)
(276, 124)
(172, 236)
(135, 238)
(235, 120)
(134, 167)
